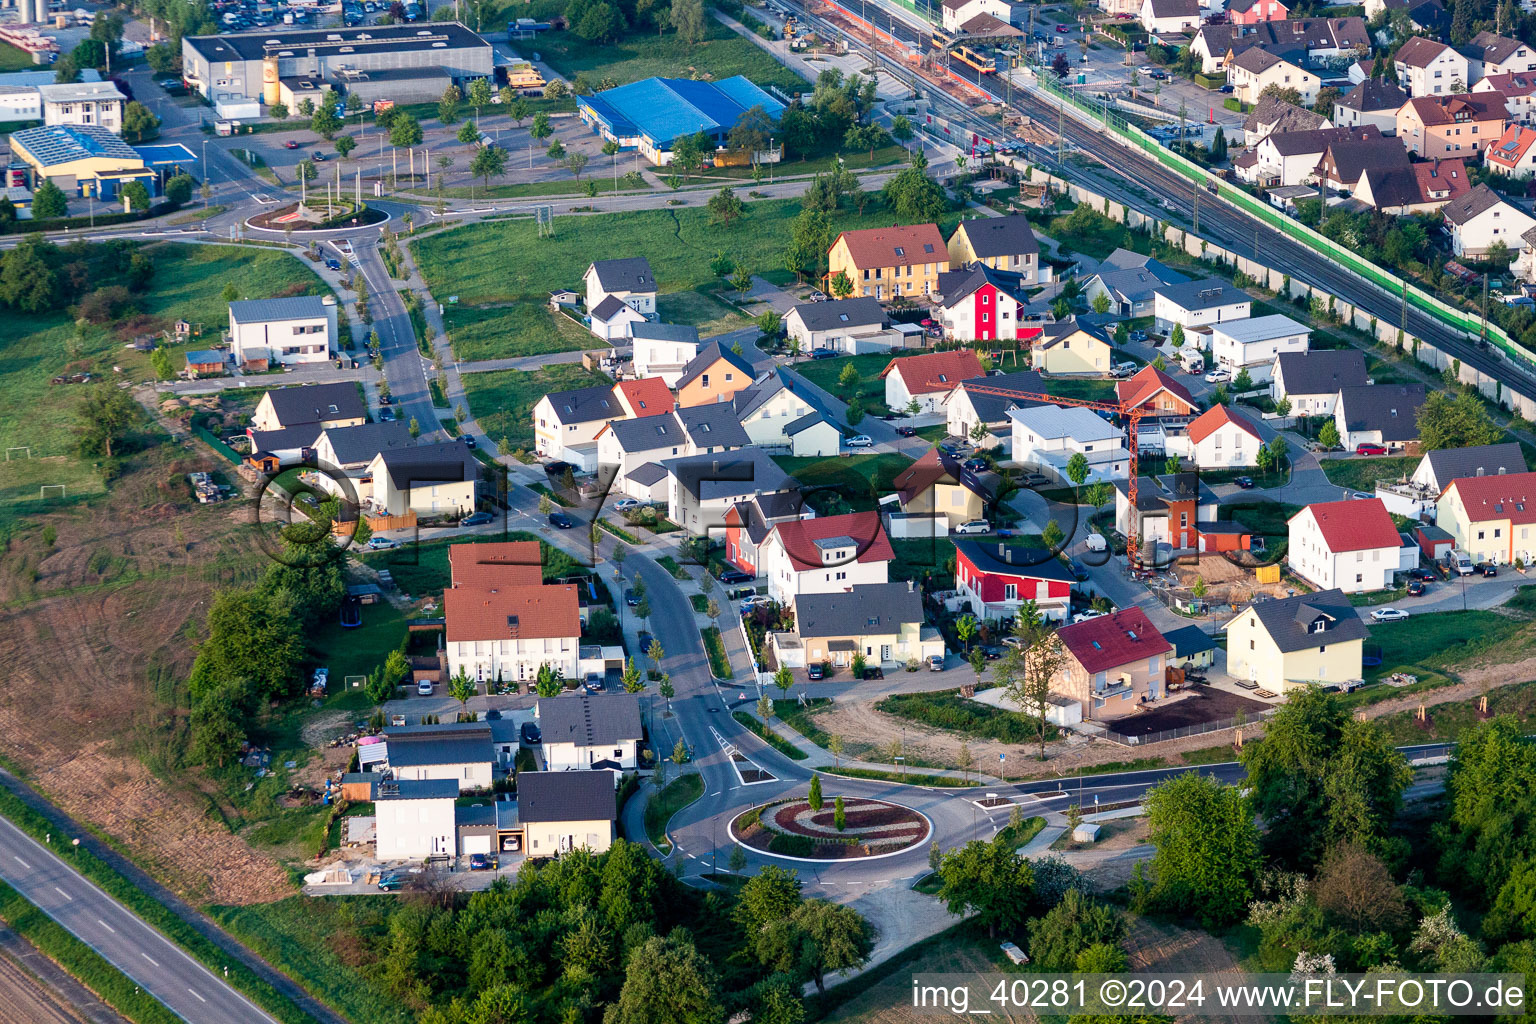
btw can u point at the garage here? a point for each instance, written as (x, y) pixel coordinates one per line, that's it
(474, 844)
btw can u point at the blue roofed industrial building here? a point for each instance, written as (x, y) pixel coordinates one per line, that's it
(650, 115)
(90, 160)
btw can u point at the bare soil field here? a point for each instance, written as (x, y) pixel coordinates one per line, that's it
(1225, 582)
(97, 629)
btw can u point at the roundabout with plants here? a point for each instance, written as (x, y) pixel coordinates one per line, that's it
(820, 829)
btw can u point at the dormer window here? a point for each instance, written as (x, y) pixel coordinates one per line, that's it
(1319, 624)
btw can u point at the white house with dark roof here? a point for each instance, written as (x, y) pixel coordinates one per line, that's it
(854, 326)
(1384, 414)
(1491, 54)
(1254, 343)
(1256, 69)
(1128, 279)
(456, 751)
(662, 350)
(1167, 17)
(1417, 496)
(824, 555)
(629, 280)
(1480, 219)
(956, 13)
(414, 820)
(612, 319)
(430, 479)
(1311, 380)
(702, 488)
(1429, 67)
(967, 405)
(781, 411)
(351, 450)
(563, 420)
(748, 523)
(282, 332)
(1198, 304)
(1372, 102)
(564, 811)
(1046, 437)
(581, 731)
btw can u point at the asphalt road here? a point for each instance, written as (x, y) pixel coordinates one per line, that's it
(151, 960)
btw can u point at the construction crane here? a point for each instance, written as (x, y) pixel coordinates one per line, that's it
(1132, 416)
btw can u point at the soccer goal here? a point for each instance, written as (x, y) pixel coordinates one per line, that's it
(354, 682)
(43, 495)
(19, 448)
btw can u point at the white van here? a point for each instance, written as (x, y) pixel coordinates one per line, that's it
(1459, 562)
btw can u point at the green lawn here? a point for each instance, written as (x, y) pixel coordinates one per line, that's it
(1430, 644)
(359, 651)
(680, 792)
(918, 558)
(502, 400)
(558, 187)
(22, 479)
(186, 285)
(860, 479)
(824, 372)
(722, 54)
(769, 737)
(1361, 474)
(14, 58)
(1085, 389)
(709, 315)
(423, 568)
(1449, 721)
(506, 261)
(502, 332)
(1268, 518)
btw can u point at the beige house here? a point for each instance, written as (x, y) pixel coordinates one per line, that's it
(430, 480)
(936, 485)
(883, 622)
(1256, 69)
(1069, 347)
(1442, 127)
(1112, 664)
(1296, 641)
(1493, 518)
(1002, 243)
(883, 263)
(565, 811)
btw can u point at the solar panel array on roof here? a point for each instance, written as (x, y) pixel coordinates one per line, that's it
(63, 143)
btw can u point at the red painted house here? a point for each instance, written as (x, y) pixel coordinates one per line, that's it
(1252, 12)
(748, 523)
(980, 304)
(995, 579)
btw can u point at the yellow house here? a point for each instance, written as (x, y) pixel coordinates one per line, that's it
(883, 263)
(565, 811)
(714, 375)
(883, 622)
(1067, 346)
(936, 485)
(1002, 243)
(81, 159)
(1493, 518)
(1296, 641)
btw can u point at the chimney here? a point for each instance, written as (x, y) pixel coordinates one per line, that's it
(1000, 549)
(910, 586)
(1008, 556)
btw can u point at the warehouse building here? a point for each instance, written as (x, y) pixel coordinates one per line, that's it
(236, 71)
(649, 115)
(81, 159)
(20, 98)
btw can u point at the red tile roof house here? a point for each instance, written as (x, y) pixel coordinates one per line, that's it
(748, 523)
(515, 563)
(994, 580)
(507, 633)
(824, 555)
(928, 378)
(1112, 664)
(1351, 545)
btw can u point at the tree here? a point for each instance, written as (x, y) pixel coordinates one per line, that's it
(986, 880)
(1098, 494)
(469, 133)
(1320, 777)
(765, 708)
(849, 379)
(540, 129)
(479, 95)
(667, 979)
(633, 681)
(773, 894)
(865, 136)
(305, 170)
(1176, 339)
(1160, 363)
(1069, 928)
(139, 125)
(217, 729)
(489, 162)
(448, 105)
(688, 19)
(724, 206)
(810, 238)
(838, 937)
(103, 418)
(548, 681)
(655, 651)
(345, 145)
(1207, 848)
(1028, 668)
(901, 129)
(814, 799)
(518, 110)
(914, 197)
(1328, 435)
(576, 163)
(404, 131)
(326, 122)
(666, 689)
(48, 202)
(839, 815)
(1455, 421)
(556, 90)
(1100, 304)
(556, 150)
(1243, 382)
(855, 414)
(461, 688)
(1355, 888)
(1053, 536)
(89, 53)
(306, 107)
(965, 628)
(1078, 469)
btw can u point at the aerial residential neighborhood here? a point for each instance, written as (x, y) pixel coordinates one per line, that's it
(590, 512)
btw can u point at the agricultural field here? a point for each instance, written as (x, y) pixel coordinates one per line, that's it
(502, 400)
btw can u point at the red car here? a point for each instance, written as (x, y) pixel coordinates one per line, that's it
(1063, 28)
(1370, 449)
(291, 144)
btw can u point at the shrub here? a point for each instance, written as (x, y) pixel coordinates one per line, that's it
(791, 846)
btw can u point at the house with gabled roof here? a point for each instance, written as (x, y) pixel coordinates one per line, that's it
(940, 493)
(1349, 157)
(781, 410)
(714, 375)
(662, 350)
(1491, 517)
(1156, 393)
(1128, 279)
(1311, 380)
(1459, 125)
(1217, 439)
(1176, 512)
(1256, 69)
(1422, 187)
(647, 396)
(854, 326)
(966, 406)
(1514, 152)
(1429, 67)
(513, 563)
(563, 420)
(1198, 304)
(581, 732)
(564, 811)
(700, 489)
(320, 407)
(1492, 54)
(881, 622)
(824, 555)
(1352, 545)
(1072, 346)
(1113, 663)
(628, 279)
(994, 580)
(350, 450)
(507, 633)
(1384, 414)
(1482, 218)
(927, 378)
(1002, 243)
(430, 480)
(1166, 17)
(1272, 114)
(1373, 102)
(748, 523)
(982, 304)
(883, 263)
(1519, 92)
(612, 319)
(1296, 641)
(1437, 469)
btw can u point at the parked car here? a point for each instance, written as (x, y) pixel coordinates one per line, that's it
(935, 663)
(631, 598)
(319, 157)
(477, 519)
(1426, 575)
(492, 715)
(1125, 368)
(860, 441)
(594, 682)
(291, 144)
(1217, 377)
(823, 353)
(470, 442)
(1138, 336)
(625, 504)
(1370, 449)
(815, 670)
(874, 672)
(645, 639)
(1034, 480)
(424, 687)
(974, 526)
(1388, 615)
(1245, 482)
(531, 733)
(557, 468)
(379, 544)
(755, 601)
(906, 432)
(1086, 614)
(480, 862)
(1063, 28)
(1078, 570)
(392, 881)
(734, 576)
(992, 651)
(561, 520)
(977, 465)
(332, 263)
(1488, 569)
(1416, 588)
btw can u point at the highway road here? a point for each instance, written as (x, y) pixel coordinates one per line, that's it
(147, 957)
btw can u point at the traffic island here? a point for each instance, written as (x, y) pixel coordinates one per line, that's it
(840, 829)
(318, 214)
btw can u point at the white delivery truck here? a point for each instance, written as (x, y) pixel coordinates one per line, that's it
(1459, 562)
